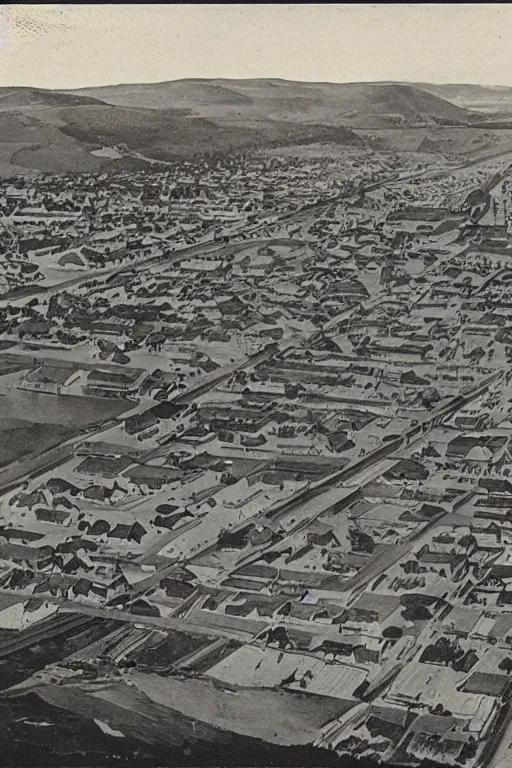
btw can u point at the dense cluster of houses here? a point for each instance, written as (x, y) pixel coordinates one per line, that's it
(315, 457)
(60, 224)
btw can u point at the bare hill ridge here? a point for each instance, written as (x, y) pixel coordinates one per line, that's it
(20, 98)
(47, 130)
(482, 98)
(353, 105)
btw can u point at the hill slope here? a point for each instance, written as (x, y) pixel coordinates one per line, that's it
(364, 105)
(482, 98)
(61, 138)
(32, 98)
(58, 130)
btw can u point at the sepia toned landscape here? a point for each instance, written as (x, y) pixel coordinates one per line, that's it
(256, 423)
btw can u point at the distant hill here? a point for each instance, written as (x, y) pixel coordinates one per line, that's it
(363, 105)
(21, 98)
(482, 98)
(44, 130)
(57, 131)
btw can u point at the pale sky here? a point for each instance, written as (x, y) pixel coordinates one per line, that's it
(73, 46)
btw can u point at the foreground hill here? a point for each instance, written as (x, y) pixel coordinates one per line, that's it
(61, 139)
(363, 105)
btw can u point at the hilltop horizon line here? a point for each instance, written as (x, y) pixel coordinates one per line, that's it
(417, 83)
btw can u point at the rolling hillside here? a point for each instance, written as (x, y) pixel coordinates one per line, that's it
(363, 105)
(482, 98)
(32, 98)
(57, 131)
(61, 139)
(43, 130)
